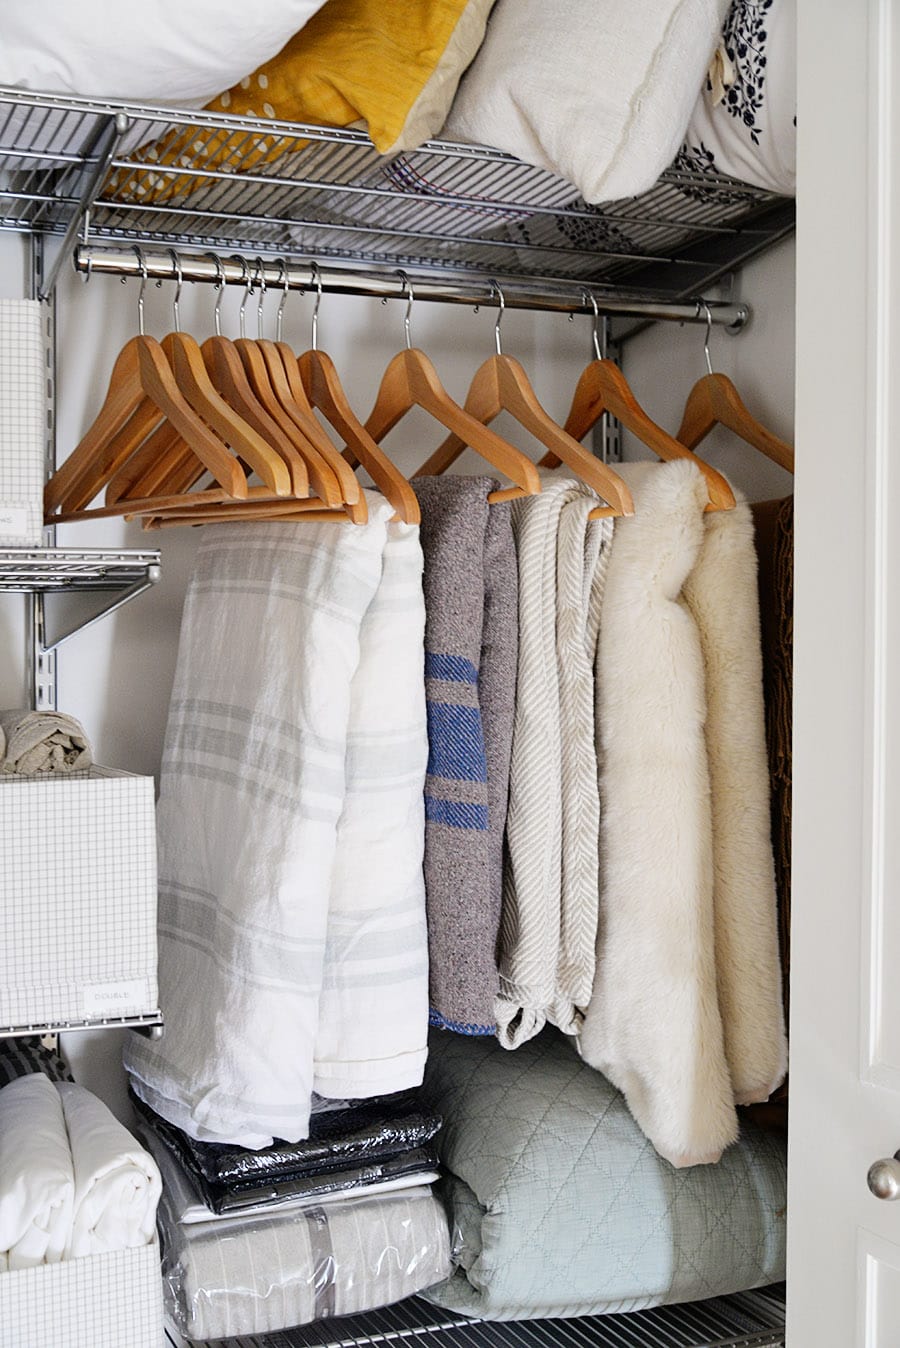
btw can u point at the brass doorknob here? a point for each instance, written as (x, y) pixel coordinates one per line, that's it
(884, 1178)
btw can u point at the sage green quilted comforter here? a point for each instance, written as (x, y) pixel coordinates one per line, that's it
(560, 1206)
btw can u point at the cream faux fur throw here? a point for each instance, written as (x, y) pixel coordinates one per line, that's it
(687, 924)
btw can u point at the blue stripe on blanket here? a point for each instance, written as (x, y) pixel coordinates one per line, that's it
(451, 668)
(442, 1023)
(456, 743)
(456, 813)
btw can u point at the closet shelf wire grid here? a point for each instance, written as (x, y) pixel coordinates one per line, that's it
(217, 181)
(746, 1320)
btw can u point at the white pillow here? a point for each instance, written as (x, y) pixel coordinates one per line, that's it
(597, 91)
(168, 51)
(748, 130)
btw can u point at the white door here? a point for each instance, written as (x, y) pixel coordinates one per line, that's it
(843, 1243)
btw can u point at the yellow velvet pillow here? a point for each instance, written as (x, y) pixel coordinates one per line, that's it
(391, 67)
(394, 67)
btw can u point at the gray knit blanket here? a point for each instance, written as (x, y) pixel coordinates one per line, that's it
(470, 671)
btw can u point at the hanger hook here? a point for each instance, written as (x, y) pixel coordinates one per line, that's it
(702, 304)
(316, 275)
(220, 291)
(248, 291)
(502, 306)
(179, 281)
(142, 263)
(410, 297)
(595, 331)
(279, 317)
(87, 271)
(261, 276)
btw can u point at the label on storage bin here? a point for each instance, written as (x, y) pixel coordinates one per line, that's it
(14, 521)
(115, 999)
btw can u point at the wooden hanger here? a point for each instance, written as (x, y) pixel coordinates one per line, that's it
(603, 388)
(223, 371)
(714, 401)
(281, 364)
(164, 465)
(316, 375)
(299, 428)
(501, 384)
(411, 380)
(142, 392)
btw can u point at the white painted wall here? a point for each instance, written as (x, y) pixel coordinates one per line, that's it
(117, 676)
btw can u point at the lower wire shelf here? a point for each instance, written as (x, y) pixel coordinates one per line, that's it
(745, 1320)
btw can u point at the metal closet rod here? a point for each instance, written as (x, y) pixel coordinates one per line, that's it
(570, 297)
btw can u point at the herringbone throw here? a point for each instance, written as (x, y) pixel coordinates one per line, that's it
(470, 672)
(549, 920)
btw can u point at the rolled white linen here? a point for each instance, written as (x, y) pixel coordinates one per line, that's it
(36, 1176)
(117, 1183)
(42, 742)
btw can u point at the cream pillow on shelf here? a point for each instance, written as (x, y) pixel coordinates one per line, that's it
(598, 92)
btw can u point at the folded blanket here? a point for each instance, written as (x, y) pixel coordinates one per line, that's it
(416, 1166)
(117, 1184)
(549, 922)
(258, 1275)
(36, 1178)
(562, 1206)
(287, 713)
(653, 1025)
(722, 596)
(187, 1204)
(470, 670)
(601, 99)
(361, 1132)
(42, 741)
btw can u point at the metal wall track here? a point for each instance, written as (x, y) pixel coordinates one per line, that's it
(222, 182)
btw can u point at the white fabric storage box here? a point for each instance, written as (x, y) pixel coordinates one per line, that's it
(104, 1301)
(23, 424)
(77, 897)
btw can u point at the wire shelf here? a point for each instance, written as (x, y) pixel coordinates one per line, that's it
(26, 570)
(151, 1024)
(198, 179)
(747, 1320)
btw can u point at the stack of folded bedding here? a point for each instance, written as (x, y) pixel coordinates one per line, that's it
(73, 1181)
(343, 1222)
(353, 1145)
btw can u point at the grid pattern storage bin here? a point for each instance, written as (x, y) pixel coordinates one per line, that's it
(77, 898)
(102, 1301)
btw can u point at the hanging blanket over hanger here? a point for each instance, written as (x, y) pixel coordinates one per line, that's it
(470, 669)
(550, 892)
(721, 593)
(687, 971)
(291, 791)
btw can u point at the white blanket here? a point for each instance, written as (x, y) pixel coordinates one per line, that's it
(262, 741)
(653, 1026)
(117, 1184)
(721, 593)
(597, 91)
(36, 1178)
(549, 915)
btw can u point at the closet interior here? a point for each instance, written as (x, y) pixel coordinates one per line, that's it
(273, 211)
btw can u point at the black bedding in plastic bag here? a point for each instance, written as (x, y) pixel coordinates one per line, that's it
(353, 1148)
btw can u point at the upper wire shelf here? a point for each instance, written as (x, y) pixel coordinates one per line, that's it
(199, 179)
